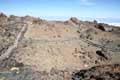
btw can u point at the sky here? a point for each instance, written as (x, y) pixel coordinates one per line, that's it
(63, 9)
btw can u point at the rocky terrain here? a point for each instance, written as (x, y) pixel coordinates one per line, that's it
(108, 72)
(36, 49)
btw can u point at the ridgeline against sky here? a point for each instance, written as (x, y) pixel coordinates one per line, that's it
(62, 8)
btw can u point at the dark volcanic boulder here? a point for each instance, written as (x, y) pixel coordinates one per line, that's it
(104, 27)
(104, 55)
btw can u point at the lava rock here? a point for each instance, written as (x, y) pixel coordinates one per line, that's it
(104, 27)
(99, 73)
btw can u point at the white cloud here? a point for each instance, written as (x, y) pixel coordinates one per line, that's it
(86, 2)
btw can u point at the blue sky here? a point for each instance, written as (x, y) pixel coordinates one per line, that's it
(85, 9)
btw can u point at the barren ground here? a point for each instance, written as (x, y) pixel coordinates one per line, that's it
(53, 50)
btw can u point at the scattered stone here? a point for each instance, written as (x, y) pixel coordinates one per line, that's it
(15, 69)
(85, 65)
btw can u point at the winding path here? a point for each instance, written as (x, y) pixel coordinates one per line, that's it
(11, 48)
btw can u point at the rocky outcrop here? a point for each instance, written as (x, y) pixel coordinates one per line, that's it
(74, 20)
(3, 18)
(104, 27)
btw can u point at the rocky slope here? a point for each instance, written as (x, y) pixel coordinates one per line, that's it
(51, 50)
